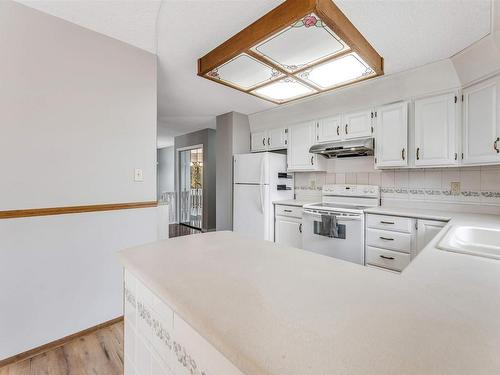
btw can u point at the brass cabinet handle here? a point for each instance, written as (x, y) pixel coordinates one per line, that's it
(387, 239)
(495, 145)
(403, 153)
(386, 257)
(418, 153)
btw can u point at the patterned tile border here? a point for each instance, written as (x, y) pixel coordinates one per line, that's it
(182, 355)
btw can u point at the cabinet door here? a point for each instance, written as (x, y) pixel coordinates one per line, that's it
(427, 230)
(357, 124)
(301, 138)
(276, 139)
(481, 122)
(288, 231)
(329, 129)
(391, 141)
(258, 141)
(436, 130)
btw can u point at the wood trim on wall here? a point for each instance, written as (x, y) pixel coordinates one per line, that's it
(57, 343)
(31, 212)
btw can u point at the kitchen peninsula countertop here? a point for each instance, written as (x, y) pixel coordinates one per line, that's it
(272, 309)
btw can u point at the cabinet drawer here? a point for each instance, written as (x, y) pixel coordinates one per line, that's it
(389, 240)
(290, 211)
(396, 223)
(386, 258)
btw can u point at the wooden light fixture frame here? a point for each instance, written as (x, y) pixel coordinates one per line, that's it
(280, 18)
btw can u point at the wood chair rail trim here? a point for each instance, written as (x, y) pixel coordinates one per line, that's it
(32, 212)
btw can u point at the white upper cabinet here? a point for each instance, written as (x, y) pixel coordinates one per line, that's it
(272, 139)
(436, 130)
(481, 132)
(277, 138)
(258, 141)
(391, 141)
(300, 139)
(329, 129)
(357, 124)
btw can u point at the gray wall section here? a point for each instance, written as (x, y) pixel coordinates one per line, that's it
(166, 172)
(205, 137)
(233, 137)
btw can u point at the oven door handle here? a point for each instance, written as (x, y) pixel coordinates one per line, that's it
(338, 217)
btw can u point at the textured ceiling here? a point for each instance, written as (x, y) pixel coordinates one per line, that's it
(407, 33)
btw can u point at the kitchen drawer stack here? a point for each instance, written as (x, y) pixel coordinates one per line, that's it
(390, 241)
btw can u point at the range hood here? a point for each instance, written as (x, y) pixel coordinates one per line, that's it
(344, 149)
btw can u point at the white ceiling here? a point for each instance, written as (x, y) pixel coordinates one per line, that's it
(407, 33)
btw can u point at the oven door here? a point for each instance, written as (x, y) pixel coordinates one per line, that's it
(348, 242)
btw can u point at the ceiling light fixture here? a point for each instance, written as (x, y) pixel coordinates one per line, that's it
(298, 49)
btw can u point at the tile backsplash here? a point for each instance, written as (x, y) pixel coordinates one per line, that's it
(478, 185)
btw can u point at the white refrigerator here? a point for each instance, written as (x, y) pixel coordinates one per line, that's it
(259, 180)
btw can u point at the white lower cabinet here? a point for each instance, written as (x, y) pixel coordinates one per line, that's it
(159, 342)
(392, 242)
(288, 226)
(426, 231)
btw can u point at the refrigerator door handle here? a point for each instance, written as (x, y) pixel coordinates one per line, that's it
(261, 186)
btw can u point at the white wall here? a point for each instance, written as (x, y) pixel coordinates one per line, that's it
(77, 115)
(59, 274)
(166, 170)
(77, 112)
(232, 137)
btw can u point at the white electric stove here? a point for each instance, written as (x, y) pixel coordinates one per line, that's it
(335, 226)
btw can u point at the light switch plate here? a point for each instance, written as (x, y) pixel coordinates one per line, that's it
(138, 176)
(455, 188)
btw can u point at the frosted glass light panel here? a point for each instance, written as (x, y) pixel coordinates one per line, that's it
(304, 43)
(244, 72)
(283, 90)
(337, 72)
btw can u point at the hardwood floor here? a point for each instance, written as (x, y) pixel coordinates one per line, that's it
(177, 230)
(98, 353)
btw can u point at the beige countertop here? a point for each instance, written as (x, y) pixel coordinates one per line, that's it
(293, 202)
(272, 309)
(420, 213)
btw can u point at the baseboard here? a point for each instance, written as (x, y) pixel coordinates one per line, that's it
(57, 343)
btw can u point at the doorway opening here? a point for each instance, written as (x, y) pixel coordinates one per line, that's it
(191, 187)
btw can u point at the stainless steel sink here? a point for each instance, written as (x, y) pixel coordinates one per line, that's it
(479, 241)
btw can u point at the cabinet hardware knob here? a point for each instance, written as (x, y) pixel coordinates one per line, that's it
(456, 156)
(287, 210)
(495, 145)
(338, 129)
(263, 141)
(387, 239)
(300, 227)
(312, 160)
(386, 222)
(386, 257)
(269, 141)
(403, 153)
(346, 125)
(418, 153)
